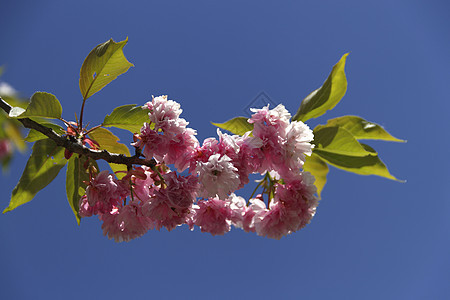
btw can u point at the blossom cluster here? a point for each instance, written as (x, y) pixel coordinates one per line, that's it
(153, 198)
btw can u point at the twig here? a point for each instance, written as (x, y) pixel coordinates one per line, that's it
(71, 144)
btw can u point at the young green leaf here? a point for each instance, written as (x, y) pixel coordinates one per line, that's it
(319, 169)
(35, 135)
(238, 125)
(76, 177)
(327, 96)
(109, 142)
(337, 140)
(103, 64)
(366, 165)
(362, 129)
(42, 104)
(44, 164)
(129, 117)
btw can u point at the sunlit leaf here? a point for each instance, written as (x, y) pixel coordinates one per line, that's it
(337, 140)
(103, 64)
(129, 117)
(327, 96)
(76, 179)
(44, 164)
(366, 165)
(42, 104)
(238, 125)
(35, 135)
(109, 142)
(319, 169)
(362, 129)
(13, 132)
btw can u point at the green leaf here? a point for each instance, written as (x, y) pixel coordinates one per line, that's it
(35, 135)
(129, 117)
(238, 125)
(44, 164)
(103, 64)
(13, 132)
(42, 104)
(109, 142)
(319, 169)
(76, 177)
(366, 165)
(5, 162)
(337, 140)
(327, 96)
(362, 129)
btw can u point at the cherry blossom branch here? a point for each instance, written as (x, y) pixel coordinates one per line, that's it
(73, 145)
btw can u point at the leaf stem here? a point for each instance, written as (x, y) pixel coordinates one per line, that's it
(259, 184)
(64, 121)
(92, 129)
(80, 124)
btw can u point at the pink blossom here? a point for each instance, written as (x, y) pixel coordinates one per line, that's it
(228, 144)
(249, 158)
(190, 216)
(126, 223)
(166, 208)
(152, 143)
(166, 138)
(273, 224)
(162, 109)
(110, 224)
(104, 192)
(180, 148)
(284, 144)
(180, 191)
(269, 126)
(238, 207)
(165, 116)
(85, 210)
(143, 186)
(213, 216)
(269, 123)
(202, 154)
(243, 216)
(218, 176)
(238, 149)
(297, 144)
(254, 212)
(292, 208)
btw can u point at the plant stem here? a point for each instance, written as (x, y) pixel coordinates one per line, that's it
(80, 124)
(259, 184)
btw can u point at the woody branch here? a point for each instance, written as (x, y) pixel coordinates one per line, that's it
(73, 145)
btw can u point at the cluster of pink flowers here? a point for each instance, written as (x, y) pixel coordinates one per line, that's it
(159, 197)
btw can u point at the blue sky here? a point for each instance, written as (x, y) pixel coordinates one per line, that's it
(371, 238)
